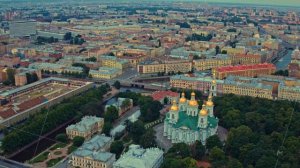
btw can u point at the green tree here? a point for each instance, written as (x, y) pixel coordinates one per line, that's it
(213, 141)
(111, 114)
(172, 163)
(78, 141)
(266, 161)
(117, 147)
(234, 163)
(217, 157)
(61, 138)
(218, 50)
(126, 103)
(148, 139)
(224, 52)
(232, 118)
(150, 111)
(107, 127)
(198, 150)
(136, 130)
(237, 137)
(189, 162)
(180, 150)
(117, 84)
(91, 59)
(68, 36)
(166, 100)
(216, 154)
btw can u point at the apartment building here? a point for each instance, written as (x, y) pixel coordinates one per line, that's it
(166, 67)
(245, 70)
(211, 62)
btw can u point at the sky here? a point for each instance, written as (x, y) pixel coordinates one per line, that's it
(262, 2)
(295, 3)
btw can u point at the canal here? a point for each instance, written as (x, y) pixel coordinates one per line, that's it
(283, 63)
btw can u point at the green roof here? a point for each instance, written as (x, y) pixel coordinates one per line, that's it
(188, 121)
(191, 122)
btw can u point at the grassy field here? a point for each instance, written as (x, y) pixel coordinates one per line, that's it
(40, 158)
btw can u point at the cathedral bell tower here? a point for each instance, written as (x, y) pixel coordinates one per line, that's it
(213, 86)
(174, 111)
(202, 117)
(182, 102)
(192, 107)
(210, 106)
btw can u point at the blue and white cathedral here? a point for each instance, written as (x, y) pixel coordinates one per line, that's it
(185, 123)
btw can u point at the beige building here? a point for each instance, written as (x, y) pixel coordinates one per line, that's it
(87, 127)
(167, 67)
(21, 78)
(289, 90)
(105, 73)
(3, 74)
(246, 59)
(212, 62)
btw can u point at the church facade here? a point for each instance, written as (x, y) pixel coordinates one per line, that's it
(186, 123)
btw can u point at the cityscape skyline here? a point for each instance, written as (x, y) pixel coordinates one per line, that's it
(292, 3)
(149, 84)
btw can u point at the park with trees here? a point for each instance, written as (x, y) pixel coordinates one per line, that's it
(69, 109)
(262, 133)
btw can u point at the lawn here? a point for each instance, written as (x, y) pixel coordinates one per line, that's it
(71, 149)
(53, 162)
(57, 152)
(40, 158)
(58, 145)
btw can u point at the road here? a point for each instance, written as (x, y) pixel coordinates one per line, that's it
(125, 116)
(161, 140)
(5, 163)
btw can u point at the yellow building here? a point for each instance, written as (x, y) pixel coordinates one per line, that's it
(234, 51)
(114, 62)
(86, 128)
(245, 86)
(247, 91)
(212, 62)
(289, 90)
(246, 59)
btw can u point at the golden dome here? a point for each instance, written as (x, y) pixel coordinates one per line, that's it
(193, 94)
(174, 106)
(182, 99)
(210, 102)
(203, 111)
(193, 103)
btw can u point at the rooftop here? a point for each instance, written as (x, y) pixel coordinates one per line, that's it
(137, 157)
(10, 92)
(245, 67)
(85, 124)
(158, 95)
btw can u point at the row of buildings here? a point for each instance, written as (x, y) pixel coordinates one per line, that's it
(95, 150)
(264, 86)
